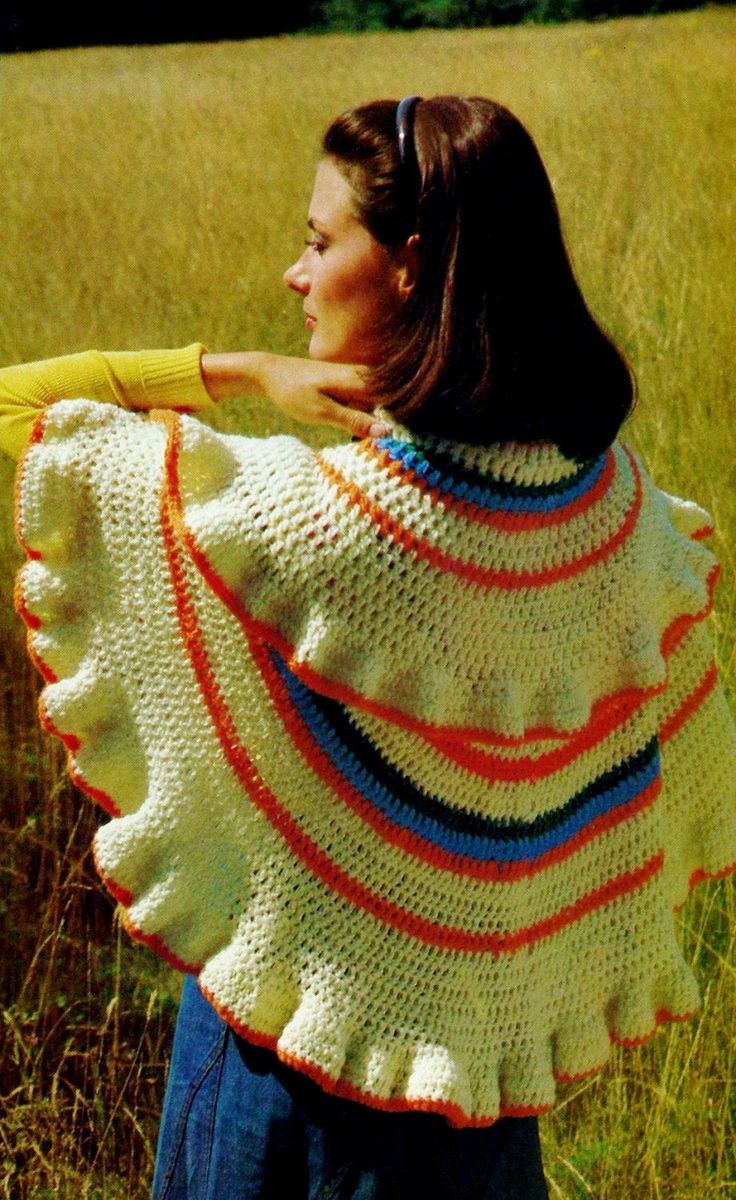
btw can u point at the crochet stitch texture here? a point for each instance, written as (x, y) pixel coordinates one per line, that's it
(411, 747)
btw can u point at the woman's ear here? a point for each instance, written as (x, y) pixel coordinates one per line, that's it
(409, 268)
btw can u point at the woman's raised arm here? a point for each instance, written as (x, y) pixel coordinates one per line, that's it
(312, 392)
(131, 379)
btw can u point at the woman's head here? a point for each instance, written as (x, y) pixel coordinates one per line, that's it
(349, 280)
(484, 335)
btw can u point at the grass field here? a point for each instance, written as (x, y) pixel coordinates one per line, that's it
(154, 195)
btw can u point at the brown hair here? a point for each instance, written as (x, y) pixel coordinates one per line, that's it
(495, 342)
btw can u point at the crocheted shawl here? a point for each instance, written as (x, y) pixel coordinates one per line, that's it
(411, 748)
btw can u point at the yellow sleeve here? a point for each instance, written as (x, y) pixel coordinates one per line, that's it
(132, 379)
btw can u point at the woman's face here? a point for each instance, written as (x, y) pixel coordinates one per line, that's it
(349, 283)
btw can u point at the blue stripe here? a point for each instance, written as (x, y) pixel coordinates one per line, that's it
(514, 498)
(482, 849)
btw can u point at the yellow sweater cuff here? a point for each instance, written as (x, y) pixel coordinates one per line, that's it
(173, 378)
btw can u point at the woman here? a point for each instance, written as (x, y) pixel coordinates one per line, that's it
(413, 745)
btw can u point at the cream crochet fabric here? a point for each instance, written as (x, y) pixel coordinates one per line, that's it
(412, 748)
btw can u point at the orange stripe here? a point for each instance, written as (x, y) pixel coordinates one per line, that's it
(690, 705)
(152, 940)
(121, 894)
(701, 875)
(661, 1015)
(19, 602)
(43, 668)
(510, 521)
(468, 572)
(612, 889)
(156, 943)
(69, 740)
(682, 625)
(72, 745)
(93, 793)
(412, 843)
(535, 767)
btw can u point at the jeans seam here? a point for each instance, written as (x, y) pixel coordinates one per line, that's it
(181, 1125)
(336, 1182)
(220, 1065)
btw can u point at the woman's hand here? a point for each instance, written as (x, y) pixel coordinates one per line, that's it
(316, 393)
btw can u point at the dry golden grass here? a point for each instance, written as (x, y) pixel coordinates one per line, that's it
(154, 196)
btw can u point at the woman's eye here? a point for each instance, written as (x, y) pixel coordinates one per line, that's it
(316, 244)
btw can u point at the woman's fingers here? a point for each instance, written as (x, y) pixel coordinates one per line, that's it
(352, 420)
(350, 403)
(323, 393)
(345, 383)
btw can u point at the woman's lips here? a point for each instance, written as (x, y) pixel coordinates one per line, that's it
(309, 320)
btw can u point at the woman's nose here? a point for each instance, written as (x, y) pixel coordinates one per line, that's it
(295, 277)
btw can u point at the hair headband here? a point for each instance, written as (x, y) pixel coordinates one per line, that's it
(404, 111)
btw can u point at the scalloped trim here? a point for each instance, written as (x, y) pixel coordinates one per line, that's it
(453, 1113)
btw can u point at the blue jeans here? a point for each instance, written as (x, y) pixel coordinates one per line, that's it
(238, 1124)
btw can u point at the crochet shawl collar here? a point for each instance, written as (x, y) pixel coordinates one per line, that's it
(401, 739)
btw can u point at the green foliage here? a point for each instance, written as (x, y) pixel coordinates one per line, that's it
(473, 14)
(352, 15)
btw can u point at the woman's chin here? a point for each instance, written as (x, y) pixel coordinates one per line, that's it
(322, 353)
